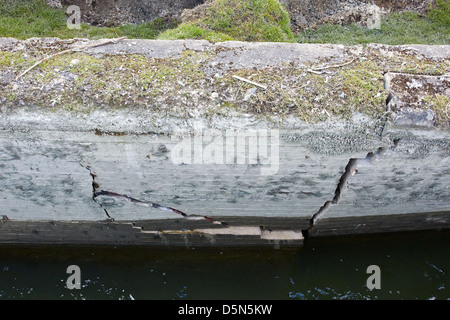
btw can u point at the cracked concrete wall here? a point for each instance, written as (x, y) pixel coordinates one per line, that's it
(44, 179)
(41, 178)
(48, 157)
(408, 178)
(45, 169)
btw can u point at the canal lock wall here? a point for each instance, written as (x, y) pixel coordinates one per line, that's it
(192, 143)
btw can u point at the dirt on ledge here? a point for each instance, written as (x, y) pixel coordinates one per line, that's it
(196, 79)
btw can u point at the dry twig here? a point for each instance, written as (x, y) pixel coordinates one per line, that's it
(316, 70)
(251, 82)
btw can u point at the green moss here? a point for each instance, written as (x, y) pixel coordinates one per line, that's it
(118, 80)
(358, 87)
(415, 65)
(11, 59)
(71, 106)
(174, 85)
(190, 65)
(11, 96)
(77, 63)
(440, 104)
(193, 31)
(364, 86)
(88, 65)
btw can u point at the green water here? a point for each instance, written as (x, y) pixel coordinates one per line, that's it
(412, 266)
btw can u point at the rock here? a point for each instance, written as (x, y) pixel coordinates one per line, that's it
(6, 77)
(74, 62)
(118, 12)
(250, 92)
(414, 95)
(414, 117)
(54, 3)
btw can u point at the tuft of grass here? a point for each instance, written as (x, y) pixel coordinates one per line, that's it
(441, 13)
(245, 20)
(24, 19)
(193, 31)
(441, 106)
(147, 30)
(405, 28)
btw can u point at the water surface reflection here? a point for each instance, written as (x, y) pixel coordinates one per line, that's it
(413, 266)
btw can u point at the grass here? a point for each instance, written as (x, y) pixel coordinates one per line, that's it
(405, 28)
(24, 19)
(194, 31)
(246, 20)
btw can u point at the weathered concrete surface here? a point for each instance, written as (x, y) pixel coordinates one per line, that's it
(279, 177)
(113, 233)
(47, 169)
(405, 188)
(410, 92)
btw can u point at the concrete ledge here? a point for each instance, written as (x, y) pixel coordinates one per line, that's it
(131, 233)
(375, 224)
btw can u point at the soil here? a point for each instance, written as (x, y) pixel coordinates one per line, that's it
(304, 13)
(195, 79)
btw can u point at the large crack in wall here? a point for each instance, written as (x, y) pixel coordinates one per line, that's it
(95, 185)
(352, 166)
(210, 234)
(103, 193)
(350, 170)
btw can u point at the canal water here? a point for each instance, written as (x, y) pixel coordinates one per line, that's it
(412, 265)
